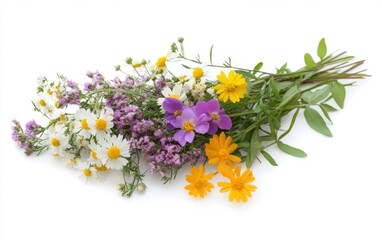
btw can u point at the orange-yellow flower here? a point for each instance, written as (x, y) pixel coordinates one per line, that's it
(199, 183)
(219, 151)
(239, 186)
(233, 88)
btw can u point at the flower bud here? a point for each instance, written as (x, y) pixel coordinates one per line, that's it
(180, 39)
(129, 60)
(117, 68)
(141, 187)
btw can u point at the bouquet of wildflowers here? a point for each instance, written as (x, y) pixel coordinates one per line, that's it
(174, 113)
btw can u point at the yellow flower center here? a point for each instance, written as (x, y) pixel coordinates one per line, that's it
(231, 87)
(215, 116)
(87, 172)
(62, 117)
(237, 185)
(188, 126)
(57, 104)
(200, 183)
(114, 152)
(42, 103)
(173, 96)
(84, 124)
(161, 62)
(49, 92)
(100, 124)
(177, 113)
(223, 154)
(198, 73)
(55, 142)
(102, 168)
(73, 161)
(94, 154)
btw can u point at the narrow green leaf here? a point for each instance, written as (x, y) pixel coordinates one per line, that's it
(315, 121)
(291, 150)
(307, 96)
(247, 75)
(185, 66)
(274, 88)
(243, 145)
(212, 47)
(309, 60)
(254, 149)
(326, 114)
(291, 91)
(327, 107)
(270, 159)
(338, 93)
(257, 67)
(291, 124)
(321, 50)
(283, 85)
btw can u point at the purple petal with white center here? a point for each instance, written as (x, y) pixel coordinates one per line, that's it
(189, 136)
(224, 122)
(213, 106)
(171, 105)
(202, 127)
(200, 108)
(179, 136)
(213, 128)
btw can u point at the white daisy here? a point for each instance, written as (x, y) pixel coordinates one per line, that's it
(198, 73)
(93, 158)
(211, 92)
(72, 162)
(176, 92)
(114, 151)
(161, 63)
(87, 171)
(57, 143)
(102, 123)
(43, 104)
(83, 120)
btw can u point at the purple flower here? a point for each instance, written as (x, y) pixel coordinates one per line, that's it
(30, 129)
(188, 122)
(210, 111)
(174, 108)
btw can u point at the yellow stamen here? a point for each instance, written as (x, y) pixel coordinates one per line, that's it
(42, 103)
(100, 124)
(177, 113)
(215, 116)
(198, 73)
(188, 126)
(173, 96)
(55, 142)
(87, 172)
(114, 152)
(84, 124)
(161, 62)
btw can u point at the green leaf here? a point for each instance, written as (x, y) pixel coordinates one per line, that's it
(243, 145)
(321, 50)
(254, 149)
(338, 93)
(257, 67)
(185, 66)
(211, 53)
(316, 96)
(327, 107)
(291, 91)
(315, 121)
(283, 85)
(326, 114)
(269, 158)
(291, 150)
(274, 88)
(309, 60)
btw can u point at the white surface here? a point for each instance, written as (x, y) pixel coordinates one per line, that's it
(335, 193)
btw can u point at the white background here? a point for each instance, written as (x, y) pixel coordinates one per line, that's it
(334, 193)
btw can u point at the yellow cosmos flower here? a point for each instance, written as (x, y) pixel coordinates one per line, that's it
(239, 186)
(233, 88)
(219, 151)
(199, 184)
